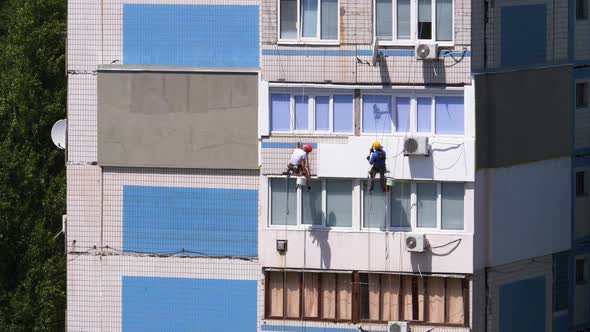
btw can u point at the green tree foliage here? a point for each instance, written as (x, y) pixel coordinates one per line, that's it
(32, 169)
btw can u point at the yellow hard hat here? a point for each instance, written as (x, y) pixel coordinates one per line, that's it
(376, 145)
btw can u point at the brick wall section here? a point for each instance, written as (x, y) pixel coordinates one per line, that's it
(356, 36)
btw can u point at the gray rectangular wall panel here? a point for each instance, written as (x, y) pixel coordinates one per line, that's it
(185, 120)
(523, 116)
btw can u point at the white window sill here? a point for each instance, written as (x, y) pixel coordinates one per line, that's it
(421, 134)
(413, 43)
(313, 134)
(318, 228)
(310, 42)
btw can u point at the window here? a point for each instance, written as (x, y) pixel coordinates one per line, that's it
(426, 197)
(407, 21)
(339, 203)
(452, 205)
(449, 115)
(375, 209)
(581, 9)
(581, 95)
(302, 207)
(308, 20)
(402, 114)
(386, 114)
(437, 206)
(580, 185)
(560, 282)
(581, 277)
(309, 295)
(424, 115)
(378, 215)
(401, 201)
(377, 117)
(311, 205)
(321, 113)
(380, 297)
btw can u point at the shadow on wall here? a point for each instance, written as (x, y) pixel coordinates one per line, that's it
(422, 167)
(422, 261)
(384, 71)
(434, 71)
(320, 238)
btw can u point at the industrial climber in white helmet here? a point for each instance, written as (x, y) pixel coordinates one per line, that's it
(299, 165)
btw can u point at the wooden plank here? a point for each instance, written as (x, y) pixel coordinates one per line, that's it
(455, 301)
(310, 295)
(390, 297)
(436, 300)
(344, 310)
(328, 296)
(406, 292)
(374, 292)
(276, 296)
(293, 284)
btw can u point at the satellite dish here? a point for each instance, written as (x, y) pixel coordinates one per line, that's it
(58, 133)
(376, 54)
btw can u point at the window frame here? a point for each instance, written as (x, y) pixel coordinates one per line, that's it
(300, 40)
(586, 94)
(580, 273)
(413, 26)
(299, 206)
(413, 128)
(580, 177)
(414, 210)
(311, 111)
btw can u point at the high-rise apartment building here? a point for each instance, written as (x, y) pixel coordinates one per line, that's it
(182, 117)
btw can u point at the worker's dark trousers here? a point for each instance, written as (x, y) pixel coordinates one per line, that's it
(372, 173)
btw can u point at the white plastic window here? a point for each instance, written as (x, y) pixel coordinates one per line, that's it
(308, 20)
(327, 204)
(317, 112)
(411, 21)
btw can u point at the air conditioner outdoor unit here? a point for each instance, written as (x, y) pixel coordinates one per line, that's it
(416, 146)
(397, 326)
(426, 52)
(415, 242)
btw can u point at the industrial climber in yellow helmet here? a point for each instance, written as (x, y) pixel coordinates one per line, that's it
(377, 158)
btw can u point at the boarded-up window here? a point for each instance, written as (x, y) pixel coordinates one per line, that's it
(311, 295)
(374, 297)
(388, 297)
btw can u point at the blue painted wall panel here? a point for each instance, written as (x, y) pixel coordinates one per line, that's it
(191, 35)
(524, 35)
(522, 306)
(198, 221)
(177, 304)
